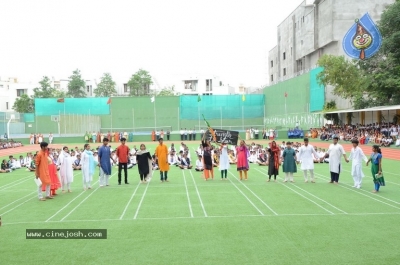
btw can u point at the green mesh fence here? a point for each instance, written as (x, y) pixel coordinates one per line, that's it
(50, 106)
(28, 117)
(317, 91)
(222, 107)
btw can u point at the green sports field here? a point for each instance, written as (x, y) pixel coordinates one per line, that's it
(192, 221)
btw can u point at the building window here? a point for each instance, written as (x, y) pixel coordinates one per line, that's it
(21, 92)
(87, 89)
(272, 63)
(272, 78)
(125, 88)
(190, 85)
(208, 84)
(284, 56)
(284, 71)
(6, 105)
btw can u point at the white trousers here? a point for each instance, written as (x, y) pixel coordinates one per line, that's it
(103, 180)
(357, 181)
(40, 194)
(311, 174)
(289, 176)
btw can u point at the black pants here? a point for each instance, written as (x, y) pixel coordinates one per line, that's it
(181, 137)
(190, 137)
(125, 166)
(194, 137)
(334, 177)
(168, 137)
(163, 177)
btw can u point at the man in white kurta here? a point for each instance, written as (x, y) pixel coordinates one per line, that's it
(66, 172)
(357, 156)
(335, 152)
(306, 158)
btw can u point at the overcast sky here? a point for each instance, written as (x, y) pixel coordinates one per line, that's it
(168, 38)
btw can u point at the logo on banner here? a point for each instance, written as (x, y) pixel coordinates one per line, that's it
(363, 39)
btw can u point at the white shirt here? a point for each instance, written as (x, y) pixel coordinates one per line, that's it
(335, 151)
(306, 157)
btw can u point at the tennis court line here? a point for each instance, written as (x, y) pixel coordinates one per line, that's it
(313, 195)
(129, 202)
(198, 194)
(79, 204)
(187, 194)
(141, 201)
(7, 186)
(202, 217)
(300, 194)
(397, 184)
(247, 198)
(17, 200)
(17, 206)
(255, 195)
(359, 192)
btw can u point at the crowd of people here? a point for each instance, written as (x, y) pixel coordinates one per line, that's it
(55, 167)
(382, 134)
(5, 144)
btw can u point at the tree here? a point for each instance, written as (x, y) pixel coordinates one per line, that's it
(389, 26)
(45, 90)
(139, 84)
(76, 85)
(344, 75)
(167, 91)
(106, 87)
(24, 104)
(331, 106)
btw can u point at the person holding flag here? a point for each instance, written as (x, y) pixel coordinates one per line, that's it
(207, 156)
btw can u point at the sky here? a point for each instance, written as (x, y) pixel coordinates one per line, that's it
(169, 38)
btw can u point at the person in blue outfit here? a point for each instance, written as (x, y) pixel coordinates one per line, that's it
(105, 163)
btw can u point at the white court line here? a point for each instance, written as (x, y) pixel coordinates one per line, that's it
(187, 194)
(385, 179)
(17, 206)
(141, 201)
(300, 195)
(17, 180)
(79, 204)
(129, 202)
(17, 200)
(316, 197)
(198, 194)
(254, 194)
(202, 217)
(20, 181)
(359, 192)
(247, 198)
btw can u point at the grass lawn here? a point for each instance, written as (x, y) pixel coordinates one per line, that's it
(192, 221)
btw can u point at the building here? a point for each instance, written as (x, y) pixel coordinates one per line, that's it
(203, 85)
(312, 30)
(11, 89)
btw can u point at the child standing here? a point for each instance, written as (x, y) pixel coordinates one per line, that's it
(223, 161)
(357, 155)
(289, 162)
(376, 167)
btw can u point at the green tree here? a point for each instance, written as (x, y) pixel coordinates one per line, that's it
(139, 84)
(389, 26)
(106, 87)
(24, 104)
(167, 91)
(45, 90)
(76, 85)
(344, 75)
(328, 107)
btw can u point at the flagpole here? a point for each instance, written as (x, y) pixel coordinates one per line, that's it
(178, 119)
(285, 106)
(59, 131)
(65, 124)
(198, 114)
(242, 119)
(220, 111)
(133, 119)
(155, 117)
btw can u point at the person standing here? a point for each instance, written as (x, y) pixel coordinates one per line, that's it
(376, 167)
(194, 134)
(50, 138)
(357, 155)
(207, 159)
(42, 162)
(88, 165)
(223, 161)
(123, 158)
(306, 158)
(273, 161)
(66, 172)
(168, 134)
(242, 154)
(289, 162)
(144, 161)
(162, 158)
(105, 163)
(334, 152)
